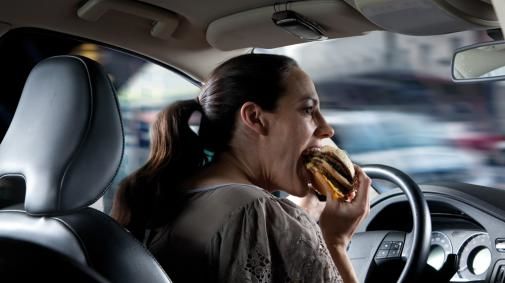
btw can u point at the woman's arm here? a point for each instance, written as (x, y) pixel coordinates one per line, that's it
(342, 262)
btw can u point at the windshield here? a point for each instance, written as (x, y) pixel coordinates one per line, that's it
(390, 100)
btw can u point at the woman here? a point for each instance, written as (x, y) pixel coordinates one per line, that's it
(203, 202)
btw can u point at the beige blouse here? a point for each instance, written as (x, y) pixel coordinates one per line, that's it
(241, 233)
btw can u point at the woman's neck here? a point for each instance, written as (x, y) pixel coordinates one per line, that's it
(226, 168)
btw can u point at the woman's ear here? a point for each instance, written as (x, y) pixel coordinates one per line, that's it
(254, 118)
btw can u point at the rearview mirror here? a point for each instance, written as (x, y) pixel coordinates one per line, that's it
(479, 62)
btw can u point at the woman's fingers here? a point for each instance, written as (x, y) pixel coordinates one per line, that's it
(363, 185)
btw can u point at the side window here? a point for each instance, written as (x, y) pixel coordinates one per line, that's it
(143, 89)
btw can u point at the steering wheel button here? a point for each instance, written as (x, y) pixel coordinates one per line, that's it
(385, 246)
(394, 253)
(382, 254)
(396, 245)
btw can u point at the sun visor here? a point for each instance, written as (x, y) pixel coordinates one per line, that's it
(412, 16)
(255, 28)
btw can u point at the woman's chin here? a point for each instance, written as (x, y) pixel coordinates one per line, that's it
(301, 189)
(300, 181)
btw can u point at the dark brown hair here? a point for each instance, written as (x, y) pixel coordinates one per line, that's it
(177, 152)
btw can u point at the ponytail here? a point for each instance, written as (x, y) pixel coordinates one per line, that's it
(176, 153)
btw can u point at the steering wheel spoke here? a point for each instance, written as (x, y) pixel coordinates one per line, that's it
(373, 248)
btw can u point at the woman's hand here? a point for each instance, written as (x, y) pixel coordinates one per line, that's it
(310, 203)
(339, 220)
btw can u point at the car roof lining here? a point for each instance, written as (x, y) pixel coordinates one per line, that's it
(198, 23)
(185, 52)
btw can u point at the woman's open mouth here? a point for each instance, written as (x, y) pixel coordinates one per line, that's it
(304, 158)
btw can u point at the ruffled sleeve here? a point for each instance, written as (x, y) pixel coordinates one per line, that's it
(271, 240)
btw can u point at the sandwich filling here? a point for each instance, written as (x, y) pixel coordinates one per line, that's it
(332, 171)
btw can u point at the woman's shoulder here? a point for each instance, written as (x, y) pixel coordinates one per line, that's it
(204, 211)
(252, 201)
(232, 195)
(208, 208)
(231, 199)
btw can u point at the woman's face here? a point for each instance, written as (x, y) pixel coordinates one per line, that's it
(295, 126)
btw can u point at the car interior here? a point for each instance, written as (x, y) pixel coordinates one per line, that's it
(83, 80)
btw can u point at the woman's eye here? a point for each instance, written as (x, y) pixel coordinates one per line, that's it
(308, 110)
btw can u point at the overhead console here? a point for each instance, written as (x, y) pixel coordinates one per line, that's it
(411, 16)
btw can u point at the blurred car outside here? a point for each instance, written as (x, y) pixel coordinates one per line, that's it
(461, 134)
(414, 143)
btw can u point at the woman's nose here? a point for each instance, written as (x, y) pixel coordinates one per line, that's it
(324, 130)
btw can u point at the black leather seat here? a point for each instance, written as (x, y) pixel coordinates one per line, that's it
(29, 262)
(66, 142)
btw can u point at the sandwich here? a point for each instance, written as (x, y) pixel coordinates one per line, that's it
(331, 171)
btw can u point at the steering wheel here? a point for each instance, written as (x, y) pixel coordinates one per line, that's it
(371, 248)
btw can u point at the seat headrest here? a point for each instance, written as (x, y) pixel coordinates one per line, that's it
(66, 138)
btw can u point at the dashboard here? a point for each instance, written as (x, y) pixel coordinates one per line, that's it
(467, 221)
(473, 249)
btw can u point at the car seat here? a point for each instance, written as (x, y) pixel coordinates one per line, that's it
(66, 142)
